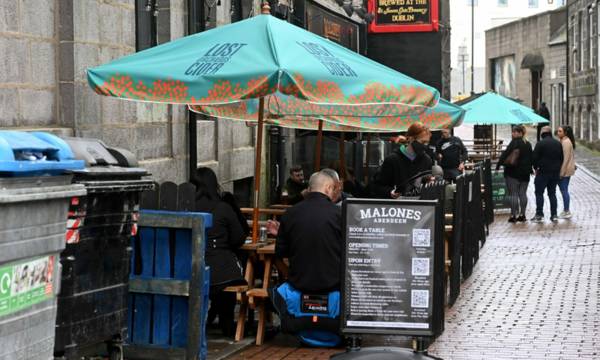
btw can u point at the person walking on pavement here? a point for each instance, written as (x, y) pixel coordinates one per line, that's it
(452, 155)
(547, 161)
(517, 163)
(545, 113)
(567, 140)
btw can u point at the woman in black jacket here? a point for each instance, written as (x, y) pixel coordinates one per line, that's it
(405, 168)
(224, 238)
(518, 173)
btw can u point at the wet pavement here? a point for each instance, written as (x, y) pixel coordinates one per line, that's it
(534, 292)
(588, 160)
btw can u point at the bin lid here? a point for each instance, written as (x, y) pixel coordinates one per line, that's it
(92, 151)
(101, 160)
(35, 153)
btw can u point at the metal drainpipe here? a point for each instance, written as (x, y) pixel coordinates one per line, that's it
(567, 114)
(195, 24)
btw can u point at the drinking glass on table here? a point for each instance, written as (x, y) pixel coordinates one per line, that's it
(262, 235)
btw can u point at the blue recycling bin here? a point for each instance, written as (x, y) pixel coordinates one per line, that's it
(35, 153)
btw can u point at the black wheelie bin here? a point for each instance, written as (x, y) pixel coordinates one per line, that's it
(92, 306)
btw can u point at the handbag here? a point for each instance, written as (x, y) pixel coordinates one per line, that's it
(512, 158)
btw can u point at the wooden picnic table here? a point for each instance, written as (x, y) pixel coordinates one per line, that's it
(255, 297)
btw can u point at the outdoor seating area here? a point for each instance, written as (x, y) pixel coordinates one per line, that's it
(466, 216)
(108, 260)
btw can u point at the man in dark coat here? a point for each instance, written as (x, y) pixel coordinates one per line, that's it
(310, 236)
(547, 161)
(295, 186)
(545, 113)
(452, 154)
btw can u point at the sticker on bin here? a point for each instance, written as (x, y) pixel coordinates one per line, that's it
(72, 235)
(134, 227)
(25, 284)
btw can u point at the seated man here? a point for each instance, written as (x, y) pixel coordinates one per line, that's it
(310, 237)
(295, 186)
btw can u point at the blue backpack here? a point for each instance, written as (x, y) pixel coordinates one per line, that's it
(315, 319)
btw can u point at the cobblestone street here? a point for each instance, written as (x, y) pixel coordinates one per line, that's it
(534, 292)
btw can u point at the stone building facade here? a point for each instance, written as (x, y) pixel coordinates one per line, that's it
(526, 60)
(583, 68)
(45, 48)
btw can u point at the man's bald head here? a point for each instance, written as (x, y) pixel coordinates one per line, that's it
(325, 182)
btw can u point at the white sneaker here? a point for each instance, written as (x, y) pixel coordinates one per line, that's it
(566, 215)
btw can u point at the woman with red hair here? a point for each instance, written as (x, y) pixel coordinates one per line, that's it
(404, 164)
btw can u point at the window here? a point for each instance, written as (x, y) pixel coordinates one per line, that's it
(592, 41)
(502, 2)
(579, 41)
(591, 116)
(533, 3)
(471, 2)
(152, 23)
(583, 39)
(145, 24)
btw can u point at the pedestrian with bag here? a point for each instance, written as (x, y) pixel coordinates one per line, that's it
(567, 140)
(517, 162)
(547, 162)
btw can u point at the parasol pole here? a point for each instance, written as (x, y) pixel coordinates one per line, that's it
(342, 155)
(265, 10)
(368, 157)
(257, 165)
(318, 150)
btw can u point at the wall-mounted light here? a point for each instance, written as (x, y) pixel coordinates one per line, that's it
(368, 18)
(348, 8)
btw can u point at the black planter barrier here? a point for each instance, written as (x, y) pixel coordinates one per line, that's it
(455, 246)
(488, 199)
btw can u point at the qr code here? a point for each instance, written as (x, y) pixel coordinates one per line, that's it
(420, 267)
(421, 237)
(419, 298)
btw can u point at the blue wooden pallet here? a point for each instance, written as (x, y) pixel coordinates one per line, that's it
(161, 286)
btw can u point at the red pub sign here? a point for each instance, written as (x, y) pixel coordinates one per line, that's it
(403, 16)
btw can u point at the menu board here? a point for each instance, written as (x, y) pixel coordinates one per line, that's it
(389, 266)
(404, 15)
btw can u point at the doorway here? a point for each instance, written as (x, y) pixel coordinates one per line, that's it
(536, 89)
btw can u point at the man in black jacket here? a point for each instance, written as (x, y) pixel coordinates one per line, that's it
(452, 154)
(547, 160)
(295, 187)
(310, 236)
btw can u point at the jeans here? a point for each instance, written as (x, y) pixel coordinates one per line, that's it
(517, 193)
(563, 185)
(546, 182)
